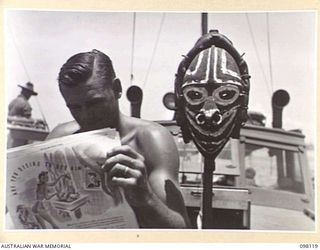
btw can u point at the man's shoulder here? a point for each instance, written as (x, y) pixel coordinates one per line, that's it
(158, 147)
(151, 134)
(19, 100)
(63, 129)
(148, 129)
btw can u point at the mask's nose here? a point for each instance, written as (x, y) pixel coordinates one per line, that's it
(209, 114)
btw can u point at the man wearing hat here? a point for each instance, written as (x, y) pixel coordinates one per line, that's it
(20, 112)
(20, 105)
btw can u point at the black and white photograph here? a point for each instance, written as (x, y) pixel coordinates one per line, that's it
(211, 116)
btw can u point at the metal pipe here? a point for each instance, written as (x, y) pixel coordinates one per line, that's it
(135, 95)
(280, 98)
(204, 23)
(209, 167)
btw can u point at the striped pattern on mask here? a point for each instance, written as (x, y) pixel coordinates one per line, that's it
(213, 65)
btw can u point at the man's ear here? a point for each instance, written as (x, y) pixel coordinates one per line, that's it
(117, 88)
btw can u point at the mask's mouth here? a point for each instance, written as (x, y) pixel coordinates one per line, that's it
(211, 116)
(213, 129)
(211, 147)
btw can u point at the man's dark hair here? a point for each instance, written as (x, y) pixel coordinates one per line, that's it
(82, 65)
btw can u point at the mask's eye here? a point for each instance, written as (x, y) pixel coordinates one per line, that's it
(194, 95)
(226, 95)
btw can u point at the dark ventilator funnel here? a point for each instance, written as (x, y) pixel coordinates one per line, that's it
(280, 98)
(135, 95)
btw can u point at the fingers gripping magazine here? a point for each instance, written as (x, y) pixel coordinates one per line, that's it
(59, 184)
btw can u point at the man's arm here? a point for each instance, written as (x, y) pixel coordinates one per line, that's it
(161, 156)
(150, 178)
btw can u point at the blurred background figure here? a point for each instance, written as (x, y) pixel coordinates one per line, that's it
(20, 106)
(250, 174)
(23, 128)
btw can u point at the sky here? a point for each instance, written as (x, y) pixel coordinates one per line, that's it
(37, 43)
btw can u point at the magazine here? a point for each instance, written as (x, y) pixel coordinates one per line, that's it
(59, 184)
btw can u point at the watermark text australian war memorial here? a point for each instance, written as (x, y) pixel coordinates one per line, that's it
(35, 246)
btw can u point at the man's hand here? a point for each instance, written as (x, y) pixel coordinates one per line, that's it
(126, 168)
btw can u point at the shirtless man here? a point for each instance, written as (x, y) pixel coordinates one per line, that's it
(146, 165)
(19, 112)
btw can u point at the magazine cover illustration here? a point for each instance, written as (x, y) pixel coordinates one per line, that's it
(59, 184)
